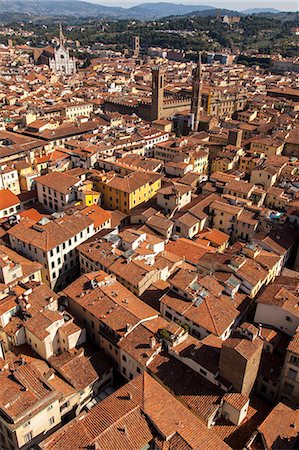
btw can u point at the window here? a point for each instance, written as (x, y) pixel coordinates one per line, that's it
(292, 374)
(294, 360)
(288, 319)
(124, 370)
(138, 370)
(28, 437)
(204, 372)
(51, 420)
(124, 358)
(288, 388)
(168, 315)
(64, 405)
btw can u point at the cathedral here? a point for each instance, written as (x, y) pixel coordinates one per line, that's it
(58, 59)
(62, 61)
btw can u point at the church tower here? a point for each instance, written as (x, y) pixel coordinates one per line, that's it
(62, 61)
(61, 36)
(136, 46)
(196, 92)
(157, 92)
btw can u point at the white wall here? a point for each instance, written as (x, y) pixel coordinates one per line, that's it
(276, 317)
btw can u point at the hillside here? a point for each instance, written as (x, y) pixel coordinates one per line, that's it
(78, 8)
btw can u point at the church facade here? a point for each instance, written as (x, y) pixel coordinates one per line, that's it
(58, 59)
(62, 61)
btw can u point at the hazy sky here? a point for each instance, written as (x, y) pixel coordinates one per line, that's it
(287, 5)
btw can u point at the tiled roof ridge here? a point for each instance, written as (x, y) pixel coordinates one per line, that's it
(124, 416)
(211, 315)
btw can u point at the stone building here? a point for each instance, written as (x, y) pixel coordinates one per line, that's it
(58, 59)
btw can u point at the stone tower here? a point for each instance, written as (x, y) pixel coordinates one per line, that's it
(196, 93)
(240, 359)
(136, 46)
(61, 36)
(157, 92)
(62, 61)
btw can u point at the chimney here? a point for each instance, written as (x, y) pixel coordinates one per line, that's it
(153, 342)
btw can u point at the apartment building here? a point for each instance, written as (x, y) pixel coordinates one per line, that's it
(139, 348)
(53, 242)
(9, 179)
(233, 220)
(289, 387)
(29, 406)
(16, 146)
(136, 258)
(267, 145)
(145, 403)
(9, 203)
(181, 151)
(14, 268)
(57, 190)
(49, 332)
(65, 132)
(108, 310)
(82, 153)
(38, 397)
(174, 197)
(276, 307)
(74, 110)
(128, 192)
(199, 303)
(279, 429)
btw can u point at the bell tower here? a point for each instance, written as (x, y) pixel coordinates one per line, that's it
(196, 92)
(61, 36)
(136, 46)
(157, 92)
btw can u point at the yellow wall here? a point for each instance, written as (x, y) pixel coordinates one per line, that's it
(90, 198)
(124, 201)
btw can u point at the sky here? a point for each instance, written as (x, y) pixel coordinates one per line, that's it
(287, 5)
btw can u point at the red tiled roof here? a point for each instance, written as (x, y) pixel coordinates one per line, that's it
(8, 199)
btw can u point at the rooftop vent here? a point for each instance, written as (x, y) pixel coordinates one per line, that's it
(93, 284)
(43, 221)
(39, 229)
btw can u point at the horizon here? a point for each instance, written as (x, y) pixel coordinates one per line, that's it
(290, 5)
